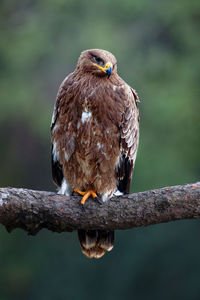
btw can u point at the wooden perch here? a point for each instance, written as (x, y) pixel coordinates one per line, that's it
(33, 210)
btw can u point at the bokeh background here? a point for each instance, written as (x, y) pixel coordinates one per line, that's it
(157, 45)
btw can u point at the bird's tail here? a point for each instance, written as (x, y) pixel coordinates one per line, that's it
(95, 243)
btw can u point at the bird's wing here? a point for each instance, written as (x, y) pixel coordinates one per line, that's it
(56, 165)
(129, 138)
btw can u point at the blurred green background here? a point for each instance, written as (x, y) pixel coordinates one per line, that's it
(157, 45)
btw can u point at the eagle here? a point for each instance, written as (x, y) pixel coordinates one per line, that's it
(94, 135)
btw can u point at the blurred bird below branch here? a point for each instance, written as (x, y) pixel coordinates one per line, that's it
(33, 210)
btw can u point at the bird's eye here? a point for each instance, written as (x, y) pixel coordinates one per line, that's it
(98, 60)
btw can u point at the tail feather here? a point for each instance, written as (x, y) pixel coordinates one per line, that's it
(95, 243)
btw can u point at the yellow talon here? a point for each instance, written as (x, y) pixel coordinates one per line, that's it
(79, 192)
(86, 195)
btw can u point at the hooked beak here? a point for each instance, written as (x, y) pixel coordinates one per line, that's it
(107, 69)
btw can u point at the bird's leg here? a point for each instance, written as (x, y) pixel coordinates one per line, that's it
(86, 194)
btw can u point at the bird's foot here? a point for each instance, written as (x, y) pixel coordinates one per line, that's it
(86, 194)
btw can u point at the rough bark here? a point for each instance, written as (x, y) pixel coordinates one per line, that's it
(33, 210)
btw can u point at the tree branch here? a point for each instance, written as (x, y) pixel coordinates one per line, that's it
(33, 210)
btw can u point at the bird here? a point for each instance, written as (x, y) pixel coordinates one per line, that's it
(94, 136)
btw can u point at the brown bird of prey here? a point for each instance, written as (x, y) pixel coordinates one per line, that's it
(94, 134)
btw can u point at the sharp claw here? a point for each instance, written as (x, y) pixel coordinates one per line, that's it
(94, 195)
(83, 207)
(99, 200)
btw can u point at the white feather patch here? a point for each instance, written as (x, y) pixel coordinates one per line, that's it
(118, 193)
(55, 112)
(86, 115)
(99, 146)
(78, 125)
(64, 189)
(55, 153)
(107, 196)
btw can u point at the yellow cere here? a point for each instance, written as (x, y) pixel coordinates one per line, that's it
(108, 65)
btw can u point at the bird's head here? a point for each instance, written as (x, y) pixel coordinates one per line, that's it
(98, 62)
